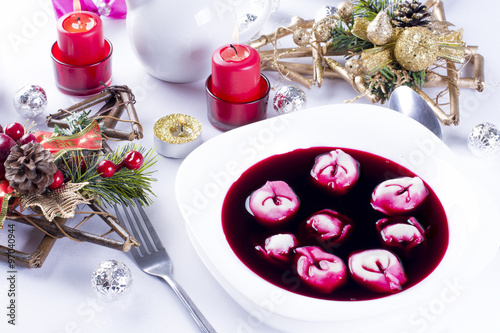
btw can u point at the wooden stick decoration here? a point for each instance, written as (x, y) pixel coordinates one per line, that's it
(116, 100)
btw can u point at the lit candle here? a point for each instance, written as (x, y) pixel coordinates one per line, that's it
(236, 73)
(80, 38)
(176, 135)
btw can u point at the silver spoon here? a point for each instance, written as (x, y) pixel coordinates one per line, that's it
(408, 102)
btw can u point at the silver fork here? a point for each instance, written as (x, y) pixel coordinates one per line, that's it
(153, 259)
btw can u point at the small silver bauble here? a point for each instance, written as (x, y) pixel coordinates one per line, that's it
(484, 140)
(324, 13)
(289, 99)
(111, 278)
(103, 7)
(30, 101)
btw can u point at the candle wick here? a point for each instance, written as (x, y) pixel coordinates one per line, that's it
(78, 20)
(234, 48)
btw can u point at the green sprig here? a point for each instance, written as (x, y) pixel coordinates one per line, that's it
(123, 186)
(343, 41)
(385, 82)
(370, 8)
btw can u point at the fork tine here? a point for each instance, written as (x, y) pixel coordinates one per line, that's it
(131, 227)
(145, 233)
(151, 230)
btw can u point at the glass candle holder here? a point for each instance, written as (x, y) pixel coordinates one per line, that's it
(226, 115)
(82, 80)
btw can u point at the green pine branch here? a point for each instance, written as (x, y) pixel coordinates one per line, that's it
(123, 186)
(370, 8)
(343, 41)
(386, 80)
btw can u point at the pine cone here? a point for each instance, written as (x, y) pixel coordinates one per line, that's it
(411, 14)
(30, 168)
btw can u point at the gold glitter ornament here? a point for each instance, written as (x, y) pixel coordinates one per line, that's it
(354, 66)
(380, 30)
(416, 49)
(323, 32)
(360, 26)
(376, 58)
(301, 37)
(345, 10)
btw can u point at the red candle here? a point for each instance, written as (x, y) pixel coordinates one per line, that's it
(80, 38)
(236, 73)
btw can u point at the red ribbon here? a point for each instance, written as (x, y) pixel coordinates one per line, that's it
(89, 138)
(5, 194)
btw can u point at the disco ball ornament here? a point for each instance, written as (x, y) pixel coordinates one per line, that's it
(103, 7)
(484, 140)
(289, 99)
(30, 101)
(111, 278)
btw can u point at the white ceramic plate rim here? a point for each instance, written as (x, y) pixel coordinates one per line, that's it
(206, 174)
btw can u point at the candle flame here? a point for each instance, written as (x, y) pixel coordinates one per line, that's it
(77, 6)
(236, 35)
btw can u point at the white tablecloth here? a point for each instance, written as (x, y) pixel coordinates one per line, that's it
(59, 298)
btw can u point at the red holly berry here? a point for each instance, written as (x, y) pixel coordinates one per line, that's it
(15, 131)
(58, 180)
(106, 168)
(6, 143)
(132, 160)
(27, 138)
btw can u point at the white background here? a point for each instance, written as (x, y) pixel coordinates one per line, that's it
(59, 298)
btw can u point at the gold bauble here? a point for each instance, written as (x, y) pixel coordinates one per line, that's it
(323, 32)
(354, 66)
(301, 37)
(345, 10)
(380, 30)
(416, 49)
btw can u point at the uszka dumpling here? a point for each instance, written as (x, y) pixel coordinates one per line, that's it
(399, 196)
(336, 170)
(377, 270)
(273, 203)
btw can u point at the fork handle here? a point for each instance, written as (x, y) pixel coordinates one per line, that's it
(198, 317)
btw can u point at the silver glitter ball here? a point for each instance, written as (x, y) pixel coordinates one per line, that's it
(484, 140)
(245, 21)
(324, 13)
(289, 99)
(103, 7)
(111, 278)
(30, 101)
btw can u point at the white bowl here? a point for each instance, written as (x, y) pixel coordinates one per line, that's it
(206, 175)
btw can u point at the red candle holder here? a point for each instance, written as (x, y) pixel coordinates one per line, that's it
(227, 115)
(82, 80)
